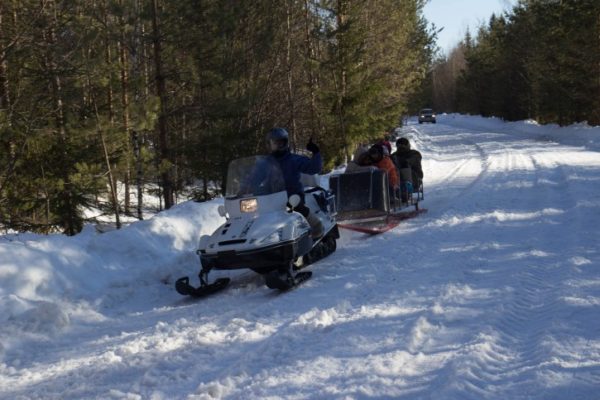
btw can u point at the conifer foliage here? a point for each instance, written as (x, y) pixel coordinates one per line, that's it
(101, 101)
(540, 61)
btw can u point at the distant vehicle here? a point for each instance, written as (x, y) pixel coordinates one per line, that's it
(426, 115)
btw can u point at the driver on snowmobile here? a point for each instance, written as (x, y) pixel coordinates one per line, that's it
(292, 165)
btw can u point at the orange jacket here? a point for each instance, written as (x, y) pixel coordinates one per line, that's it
(387, 165)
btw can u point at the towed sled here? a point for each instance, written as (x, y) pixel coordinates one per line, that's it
(365, 203)
(262, 231)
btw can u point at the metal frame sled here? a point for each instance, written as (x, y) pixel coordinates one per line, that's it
(365, 203)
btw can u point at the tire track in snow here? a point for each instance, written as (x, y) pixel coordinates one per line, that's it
(460, 181)
(512, 353)
(523, 328)
(455, 174)
(508, 357)
(483, 363)
(532, 303)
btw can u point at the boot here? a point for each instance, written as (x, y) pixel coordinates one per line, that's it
(316, 226)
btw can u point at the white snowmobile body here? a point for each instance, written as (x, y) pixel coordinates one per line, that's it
(261, 232)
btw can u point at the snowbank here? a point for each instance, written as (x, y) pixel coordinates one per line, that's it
(48, 279)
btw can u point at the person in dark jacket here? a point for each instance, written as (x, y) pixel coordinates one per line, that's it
(406, 157)
(292, 165)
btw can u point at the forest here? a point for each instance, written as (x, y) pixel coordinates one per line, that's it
(539, 61)
(102, 101)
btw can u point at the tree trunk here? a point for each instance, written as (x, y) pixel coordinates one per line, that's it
(69, 218)
(596, 114)
(139, 174)
(4, 88)
(342, 84)
(290, 77)
(109, 90)
(310, 56)
(112, 181)
(124, 64)
(140, 66)
(111, 178)
(161, 91)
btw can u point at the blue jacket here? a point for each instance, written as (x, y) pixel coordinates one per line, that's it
(292, 165)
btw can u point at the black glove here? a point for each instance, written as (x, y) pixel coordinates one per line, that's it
(312, 147)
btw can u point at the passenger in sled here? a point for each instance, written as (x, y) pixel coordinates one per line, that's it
(377, 156)
(408, 162)
(380, 157)
(359, 161)
(385, 142)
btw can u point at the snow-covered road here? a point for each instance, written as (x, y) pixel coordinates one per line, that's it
(494, 293)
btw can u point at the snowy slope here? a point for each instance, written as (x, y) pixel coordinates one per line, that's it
(494, 293)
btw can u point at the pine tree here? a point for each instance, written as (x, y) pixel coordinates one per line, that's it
(174, 89)
(540, 61)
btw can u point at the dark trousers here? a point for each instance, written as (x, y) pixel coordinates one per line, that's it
(302, 209)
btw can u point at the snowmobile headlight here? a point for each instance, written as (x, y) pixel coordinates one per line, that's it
(273, 237)
(248, 205)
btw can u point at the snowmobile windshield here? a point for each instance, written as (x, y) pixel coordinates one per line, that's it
(254, 176)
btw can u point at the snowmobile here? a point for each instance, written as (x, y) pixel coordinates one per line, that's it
(262, 231)
(365, 203)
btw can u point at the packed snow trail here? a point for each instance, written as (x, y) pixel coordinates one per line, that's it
(494, 293)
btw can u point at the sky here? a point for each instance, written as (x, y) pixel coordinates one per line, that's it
(456, 15)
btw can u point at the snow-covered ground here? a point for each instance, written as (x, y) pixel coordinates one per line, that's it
(494, 293)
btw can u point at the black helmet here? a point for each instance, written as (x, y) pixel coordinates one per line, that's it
(279, 139)
(403, 142)
(376, 152)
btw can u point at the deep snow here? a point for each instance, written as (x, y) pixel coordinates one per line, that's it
(494, 293)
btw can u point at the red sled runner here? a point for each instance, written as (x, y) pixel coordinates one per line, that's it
(365, 203)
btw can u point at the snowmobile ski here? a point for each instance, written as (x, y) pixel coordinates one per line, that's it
(183, 287)
(283, 282)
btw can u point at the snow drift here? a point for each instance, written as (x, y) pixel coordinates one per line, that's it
(494, 293)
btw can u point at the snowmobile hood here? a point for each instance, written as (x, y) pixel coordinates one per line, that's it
(248, 232)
